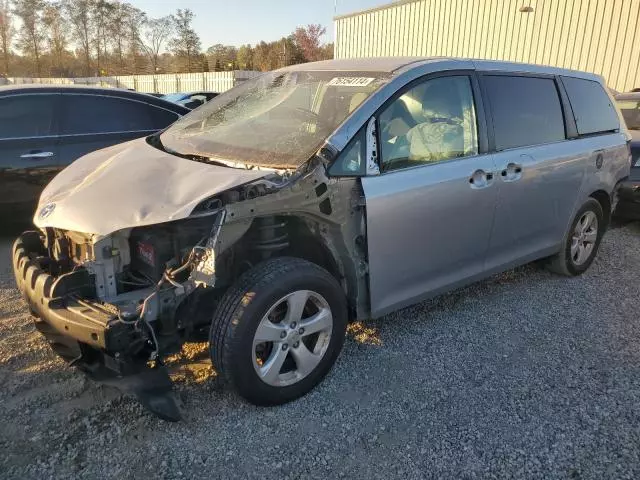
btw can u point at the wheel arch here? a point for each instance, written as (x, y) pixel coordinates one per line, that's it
(309, 241)
(603, 198)
(298, 236)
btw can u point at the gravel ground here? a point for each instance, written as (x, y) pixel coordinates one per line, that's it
(526, 375)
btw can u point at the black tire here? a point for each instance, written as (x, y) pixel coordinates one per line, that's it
(240, 311)
(562, 263)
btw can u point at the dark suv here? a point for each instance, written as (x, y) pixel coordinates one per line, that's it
(45, 128)
(629, 202)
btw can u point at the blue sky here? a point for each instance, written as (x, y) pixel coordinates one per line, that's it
(236, 22)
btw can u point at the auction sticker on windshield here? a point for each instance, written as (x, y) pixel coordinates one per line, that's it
(351, 81)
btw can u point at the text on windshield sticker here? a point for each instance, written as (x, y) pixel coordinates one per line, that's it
(350, 81)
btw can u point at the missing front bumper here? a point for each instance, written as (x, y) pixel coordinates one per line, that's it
(87, 333)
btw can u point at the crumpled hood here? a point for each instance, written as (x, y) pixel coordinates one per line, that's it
(131, 185)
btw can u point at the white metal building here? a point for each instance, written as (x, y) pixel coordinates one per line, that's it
(600, 36)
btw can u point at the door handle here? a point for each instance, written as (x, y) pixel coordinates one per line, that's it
(512, 172)
(36, 155)
(481, 179)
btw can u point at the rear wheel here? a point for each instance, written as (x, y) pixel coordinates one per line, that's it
(278, 330)
(582, 241)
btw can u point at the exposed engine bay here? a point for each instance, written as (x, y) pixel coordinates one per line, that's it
(158, 277)
(137, 294)
(150, 243)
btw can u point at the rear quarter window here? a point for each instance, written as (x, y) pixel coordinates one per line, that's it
(525, 110)
(592, 108)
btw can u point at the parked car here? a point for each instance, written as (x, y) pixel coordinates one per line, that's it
(310, 196)
(190, 100)
(629, 201)
(45, 128)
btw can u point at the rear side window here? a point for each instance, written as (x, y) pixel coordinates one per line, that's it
(27, 116)
(593, 111)
(526, 111)
(85, 114)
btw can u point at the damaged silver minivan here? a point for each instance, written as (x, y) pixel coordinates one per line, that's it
(308, 197)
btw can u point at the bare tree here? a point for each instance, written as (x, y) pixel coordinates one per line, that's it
(56, 34)
(31, 34)
(79, 13)
(101, 18)
(117, 30)
(85, 37)
(135, 21)
(155, 34)
(6, 33)
(186, 44)
(222, 57)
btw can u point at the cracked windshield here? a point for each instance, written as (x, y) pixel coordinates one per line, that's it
(276, 120)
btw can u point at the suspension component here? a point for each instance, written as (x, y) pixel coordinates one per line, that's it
(271, 236)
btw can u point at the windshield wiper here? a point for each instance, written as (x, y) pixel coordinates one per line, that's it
(201, 159)
(154, 141)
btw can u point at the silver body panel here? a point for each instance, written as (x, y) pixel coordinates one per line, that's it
(534, 213)
(427, 230)
(533, 209)
(131, 185)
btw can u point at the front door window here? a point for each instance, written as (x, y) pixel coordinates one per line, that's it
(432, 122)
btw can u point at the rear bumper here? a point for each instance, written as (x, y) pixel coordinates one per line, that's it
(629, 200)
(88, 333)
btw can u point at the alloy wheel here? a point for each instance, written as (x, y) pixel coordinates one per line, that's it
(584, 238)
(292, 338)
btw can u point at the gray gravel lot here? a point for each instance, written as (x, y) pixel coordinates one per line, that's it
(526, 375)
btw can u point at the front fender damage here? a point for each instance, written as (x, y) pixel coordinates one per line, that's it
(331, 210)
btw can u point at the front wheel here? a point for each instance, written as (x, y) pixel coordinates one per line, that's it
(582, 241)
(278, 330)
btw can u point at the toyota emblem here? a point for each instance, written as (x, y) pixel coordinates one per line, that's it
(47, 210)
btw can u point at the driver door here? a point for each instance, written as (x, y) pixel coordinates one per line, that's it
(430, 211)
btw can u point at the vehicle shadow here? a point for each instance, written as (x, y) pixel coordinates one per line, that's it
(617, 223)
(13, 225)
